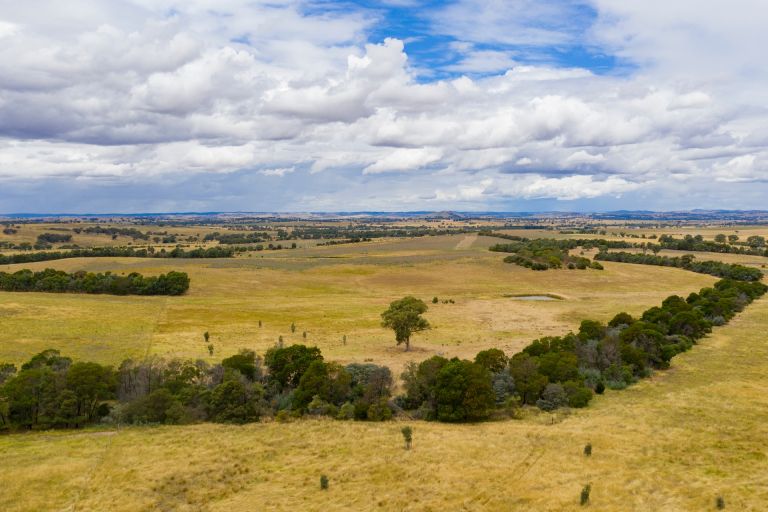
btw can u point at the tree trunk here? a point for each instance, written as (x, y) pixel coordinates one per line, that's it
(407, 344)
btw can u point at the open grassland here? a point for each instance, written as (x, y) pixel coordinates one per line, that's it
(673, 443)
(329, 292)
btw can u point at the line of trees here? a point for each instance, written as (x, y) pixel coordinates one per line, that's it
(52, 391)
(687, 262)
(53, 238)
(113, 232)
(544, 254)
(238, 238)
(58, 281)
(112, 252)
(754, 245)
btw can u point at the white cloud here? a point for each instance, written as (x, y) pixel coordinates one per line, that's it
(404, 160)
(483, 61)
(279, 172)
(574, 187)
(134, 90)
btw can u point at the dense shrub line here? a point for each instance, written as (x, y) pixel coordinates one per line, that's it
(50, 391)
(238, 238)
(53, 238)
(355, 240)
(555, 372)
(562, 244)
(58, 281)
(687, 262)
(113, 232)
(755, 245)
(543, 254)
(107, 252)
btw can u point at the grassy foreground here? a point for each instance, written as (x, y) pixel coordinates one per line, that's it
(673, 442)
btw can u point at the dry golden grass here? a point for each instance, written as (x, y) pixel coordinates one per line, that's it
(330, 292)
(671, 443)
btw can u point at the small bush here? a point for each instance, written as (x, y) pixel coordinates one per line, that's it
(600, 388)
(323, 482)
(588, 449)
(435, 300)
(584, 499)
(407, 436)
(283, 416)
(379, 411)
(346, 412)
(720, 503)
(552, 398)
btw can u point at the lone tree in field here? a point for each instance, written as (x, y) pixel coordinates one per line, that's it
(404, 317)
(407, 436)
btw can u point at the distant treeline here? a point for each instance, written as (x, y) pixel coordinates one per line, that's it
(57, 281)
(315, 233)
(53, 238)
(687, 262)
(755, 245)
(545, 253)
(562, 244)
(238, 238)
(107, 252)
(347, 241)
(113, 232)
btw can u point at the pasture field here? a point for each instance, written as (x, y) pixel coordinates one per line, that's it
(673, 443)
(329, 292)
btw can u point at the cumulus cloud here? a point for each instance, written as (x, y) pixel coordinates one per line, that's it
(279, 172)
(131, 91)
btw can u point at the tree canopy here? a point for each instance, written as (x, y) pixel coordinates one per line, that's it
(404, 317)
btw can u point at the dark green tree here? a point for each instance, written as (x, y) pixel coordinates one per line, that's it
(528, 381)
(463, 392)
(330, 382)
(493, 360)
(91, 383)
(404, 318)
(244, 362)
(287, 365)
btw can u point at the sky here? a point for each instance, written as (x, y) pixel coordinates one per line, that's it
(397, 105)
